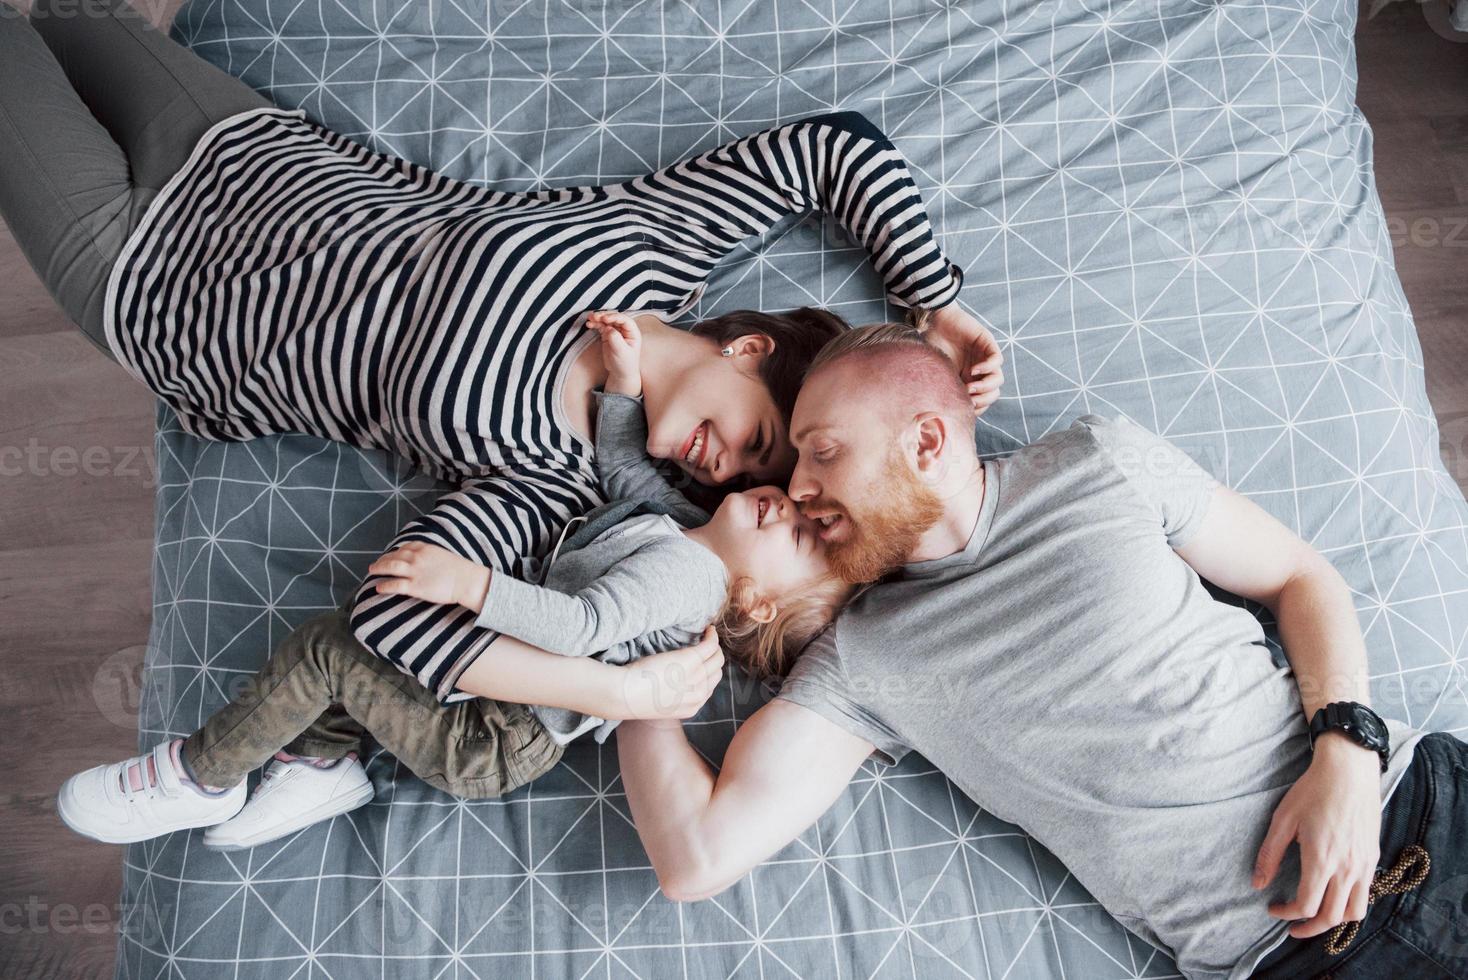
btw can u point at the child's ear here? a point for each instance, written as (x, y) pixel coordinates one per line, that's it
(763, 611)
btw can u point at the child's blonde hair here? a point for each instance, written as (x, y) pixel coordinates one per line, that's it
(768, 649)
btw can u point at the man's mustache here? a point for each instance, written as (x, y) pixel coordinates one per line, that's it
(821, 505)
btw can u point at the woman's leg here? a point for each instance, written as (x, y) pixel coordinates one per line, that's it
(77, 170)
(65, 191)
(154, 96)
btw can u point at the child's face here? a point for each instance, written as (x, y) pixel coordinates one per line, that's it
(761, 534)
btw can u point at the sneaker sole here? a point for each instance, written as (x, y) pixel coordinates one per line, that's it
(70, 821)
(327, 810)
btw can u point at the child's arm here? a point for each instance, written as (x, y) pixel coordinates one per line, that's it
(668, 581)
(621, 351)
(666, 685)
(626, 471)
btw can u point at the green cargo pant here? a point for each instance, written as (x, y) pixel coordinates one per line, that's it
(321, 691)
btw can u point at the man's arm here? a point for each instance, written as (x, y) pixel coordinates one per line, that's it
(1334, 810)
(785, 767)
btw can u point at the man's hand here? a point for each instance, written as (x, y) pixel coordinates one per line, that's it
(1334, 812)
(621, 351)
(969, 344)
(673, 684)
(433, 574)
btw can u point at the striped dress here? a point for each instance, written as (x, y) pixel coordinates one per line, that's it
(290, 280)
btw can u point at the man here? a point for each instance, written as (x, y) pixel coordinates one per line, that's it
(1039, 631)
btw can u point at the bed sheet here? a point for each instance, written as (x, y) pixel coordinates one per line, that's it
(1166, 211)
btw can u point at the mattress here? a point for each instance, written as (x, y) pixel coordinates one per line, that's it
(1166, 211)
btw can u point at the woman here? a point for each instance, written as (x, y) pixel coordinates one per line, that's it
(264, 275)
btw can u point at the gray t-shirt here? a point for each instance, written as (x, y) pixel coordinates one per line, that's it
(1073, 676)
(638, 588)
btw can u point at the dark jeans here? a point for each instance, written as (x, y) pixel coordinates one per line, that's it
(321, 691)
(1423, 933)
(97, 111)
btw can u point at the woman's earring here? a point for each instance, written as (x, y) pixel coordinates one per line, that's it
(728, 351)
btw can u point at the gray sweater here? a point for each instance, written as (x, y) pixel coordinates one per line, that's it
(636, 588)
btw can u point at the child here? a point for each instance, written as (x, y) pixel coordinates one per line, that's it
(642, 575)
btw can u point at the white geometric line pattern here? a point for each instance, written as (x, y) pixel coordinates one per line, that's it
(1166, 211)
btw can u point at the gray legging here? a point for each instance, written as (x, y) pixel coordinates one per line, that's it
(97, 110)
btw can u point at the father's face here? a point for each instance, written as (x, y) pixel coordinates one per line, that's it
(854, 478)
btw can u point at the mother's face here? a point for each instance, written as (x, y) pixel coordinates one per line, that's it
(717, 421)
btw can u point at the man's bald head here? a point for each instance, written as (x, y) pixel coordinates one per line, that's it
(885, 435)
(890, 370)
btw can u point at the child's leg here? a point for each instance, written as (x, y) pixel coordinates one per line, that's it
(333, 735)
(287, 704)
(472, 749)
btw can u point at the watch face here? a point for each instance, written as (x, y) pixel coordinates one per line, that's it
(1366, 722)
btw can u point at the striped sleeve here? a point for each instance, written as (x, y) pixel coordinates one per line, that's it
(492, 521)
(840, 165)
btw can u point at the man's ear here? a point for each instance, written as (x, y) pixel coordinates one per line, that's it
(930, 444)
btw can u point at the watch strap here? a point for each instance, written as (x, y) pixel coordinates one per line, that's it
(1357, 722)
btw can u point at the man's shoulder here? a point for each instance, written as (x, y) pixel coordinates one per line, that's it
(1091, 444)
(1084, 437)
(820, 660)
(822, 681)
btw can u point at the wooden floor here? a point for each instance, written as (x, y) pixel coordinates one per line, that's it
(74, 553)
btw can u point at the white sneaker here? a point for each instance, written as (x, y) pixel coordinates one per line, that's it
(109, 804)
(293, 795)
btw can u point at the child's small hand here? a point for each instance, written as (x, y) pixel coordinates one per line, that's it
(674, 684)
(621, 350)
(433, 574)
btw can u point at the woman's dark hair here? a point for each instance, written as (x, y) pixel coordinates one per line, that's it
(798, 335)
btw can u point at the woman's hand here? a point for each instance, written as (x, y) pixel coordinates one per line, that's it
(671, 685)
(969, 344)
(621, 351)
(433, 574)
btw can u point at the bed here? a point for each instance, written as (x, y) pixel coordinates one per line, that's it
(1165, 209)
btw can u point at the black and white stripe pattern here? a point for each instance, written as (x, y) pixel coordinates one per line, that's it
(289, 280)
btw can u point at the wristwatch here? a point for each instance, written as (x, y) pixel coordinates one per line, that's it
(1357, 722)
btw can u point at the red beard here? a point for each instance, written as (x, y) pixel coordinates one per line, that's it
(882, 535)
